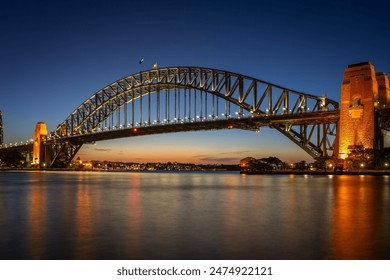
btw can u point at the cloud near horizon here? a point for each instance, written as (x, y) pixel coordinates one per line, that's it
(234, 152)
(102, 150)
(220, 160)
(233, 157)
(224, 153)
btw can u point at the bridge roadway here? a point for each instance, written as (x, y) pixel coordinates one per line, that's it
(247, 123)
(17, 147)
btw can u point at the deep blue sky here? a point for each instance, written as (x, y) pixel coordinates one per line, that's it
(54, 55)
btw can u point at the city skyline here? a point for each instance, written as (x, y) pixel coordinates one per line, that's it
(56, 55)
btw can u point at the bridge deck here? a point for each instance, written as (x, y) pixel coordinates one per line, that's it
(249, 123)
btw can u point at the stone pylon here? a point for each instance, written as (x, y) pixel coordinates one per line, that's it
(362, 91)
(40, 134)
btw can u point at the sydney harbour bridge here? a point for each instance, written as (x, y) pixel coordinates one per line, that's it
(178, 99)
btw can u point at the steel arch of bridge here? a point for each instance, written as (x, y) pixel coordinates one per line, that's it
(195, 98)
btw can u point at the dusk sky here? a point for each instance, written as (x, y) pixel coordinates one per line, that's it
(54, 55)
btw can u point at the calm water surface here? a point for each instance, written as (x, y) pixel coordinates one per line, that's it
(80, 215)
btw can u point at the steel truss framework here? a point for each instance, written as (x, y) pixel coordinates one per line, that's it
(193, 98)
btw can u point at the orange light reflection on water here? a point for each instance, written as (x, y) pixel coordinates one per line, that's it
(83, 245)
(37, 219)
(356, 225)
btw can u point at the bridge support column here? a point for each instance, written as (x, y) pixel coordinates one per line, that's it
(63, 153)
(362, 92)
(39, 149)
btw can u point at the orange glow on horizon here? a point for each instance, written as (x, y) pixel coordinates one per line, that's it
(203, 147)
(193, 154)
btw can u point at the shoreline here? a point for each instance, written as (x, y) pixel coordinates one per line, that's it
(308, 172)
(275, 172)
(115, 170)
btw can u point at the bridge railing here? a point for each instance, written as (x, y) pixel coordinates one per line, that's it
(16, 144)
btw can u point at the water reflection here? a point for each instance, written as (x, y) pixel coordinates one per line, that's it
(37, 223)
(357, 217)
(193, 216)
(83, 239)
(134, 214)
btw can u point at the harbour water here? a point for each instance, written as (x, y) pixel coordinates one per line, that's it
(193, 215)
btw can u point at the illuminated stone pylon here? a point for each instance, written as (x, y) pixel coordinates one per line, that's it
(40, 134)
(362, 91)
